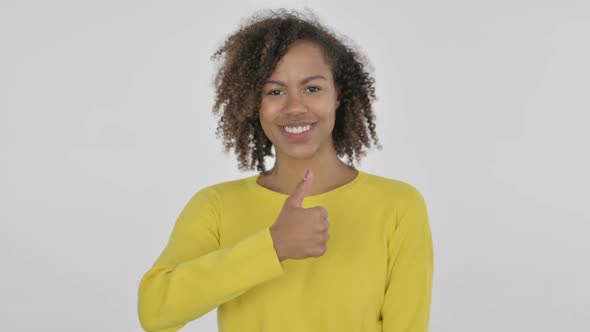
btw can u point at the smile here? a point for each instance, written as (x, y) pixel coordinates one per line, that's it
(298, 132)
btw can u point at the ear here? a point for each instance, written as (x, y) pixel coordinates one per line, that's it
(337, 98)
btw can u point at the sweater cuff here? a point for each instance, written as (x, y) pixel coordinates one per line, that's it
(269, 255)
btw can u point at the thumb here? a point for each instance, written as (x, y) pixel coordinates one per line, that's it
(301, 190)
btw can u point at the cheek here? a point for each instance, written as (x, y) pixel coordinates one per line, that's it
(323, 104)
(266, 120)
(269, 112)
(265, 116)
(326, 110)
(270, 103)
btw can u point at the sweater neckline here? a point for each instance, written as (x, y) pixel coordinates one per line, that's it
(358, 179)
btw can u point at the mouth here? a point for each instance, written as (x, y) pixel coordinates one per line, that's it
(298, 132)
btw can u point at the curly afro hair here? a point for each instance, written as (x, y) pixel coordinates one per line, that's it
(250, 55)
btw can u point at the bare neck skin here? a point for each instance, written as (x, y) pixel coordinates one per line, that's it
(329, 172)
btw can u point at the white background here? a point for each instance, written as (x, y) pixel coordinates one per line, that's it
(106, 131)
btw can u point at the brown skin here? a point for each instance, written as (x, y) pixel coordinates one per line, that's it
(265, 83)
(286, 100)
(300, 233)
(250, 56)
(290, 95)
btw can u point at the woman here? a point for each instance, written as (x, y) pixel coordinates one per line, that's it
(313, 244)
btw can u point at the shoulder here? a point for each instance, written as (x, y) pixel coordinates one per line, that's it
(220, 191)
(211, 199)
(392, 189)
(403, 201)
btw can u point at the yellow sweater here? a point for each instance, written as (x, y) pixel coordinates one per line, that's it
(376, 274)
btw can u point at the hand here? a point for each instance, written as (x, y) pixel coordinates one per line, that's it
(300, 233)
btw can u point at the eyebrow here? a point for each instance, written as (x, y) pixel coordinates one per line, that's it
(303, 81)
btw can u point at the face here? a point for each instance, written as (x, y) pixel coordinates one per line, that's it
(299, 102)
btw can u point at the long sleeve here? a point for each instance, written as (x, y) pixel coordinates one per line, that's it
(406, 306)
(193, 275)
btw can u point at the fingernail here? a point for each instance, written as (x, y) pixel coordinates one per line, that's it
(306, 175)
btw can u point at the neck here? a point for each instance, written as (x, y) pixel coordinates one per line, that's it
(329, 172)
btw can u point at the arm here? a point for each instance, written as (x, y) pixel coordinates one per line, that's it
(406, 307)
(192, 276)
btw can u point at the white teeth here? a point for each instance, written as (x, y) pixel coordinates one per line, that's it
(297, 130)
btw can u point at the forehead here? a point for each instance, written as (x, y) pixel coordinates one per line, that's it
(303, 58)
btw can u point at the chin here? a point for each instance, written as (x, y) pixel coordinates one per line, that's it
(299, 153)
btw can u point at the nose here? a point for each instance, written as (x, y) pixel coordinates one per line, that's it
(295, 104)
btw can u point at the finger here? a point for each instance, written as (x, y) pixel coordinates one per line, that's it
(301, 190)
(321, 212)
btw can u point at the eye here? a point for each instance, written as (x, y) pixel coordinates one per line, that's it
(314, 88)
(274, 92)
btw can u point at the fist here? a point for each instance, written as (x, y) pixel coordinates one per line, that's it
(300, 233)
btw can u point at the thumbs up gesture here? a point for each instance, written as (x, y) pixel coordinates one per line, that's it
(300, 233)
